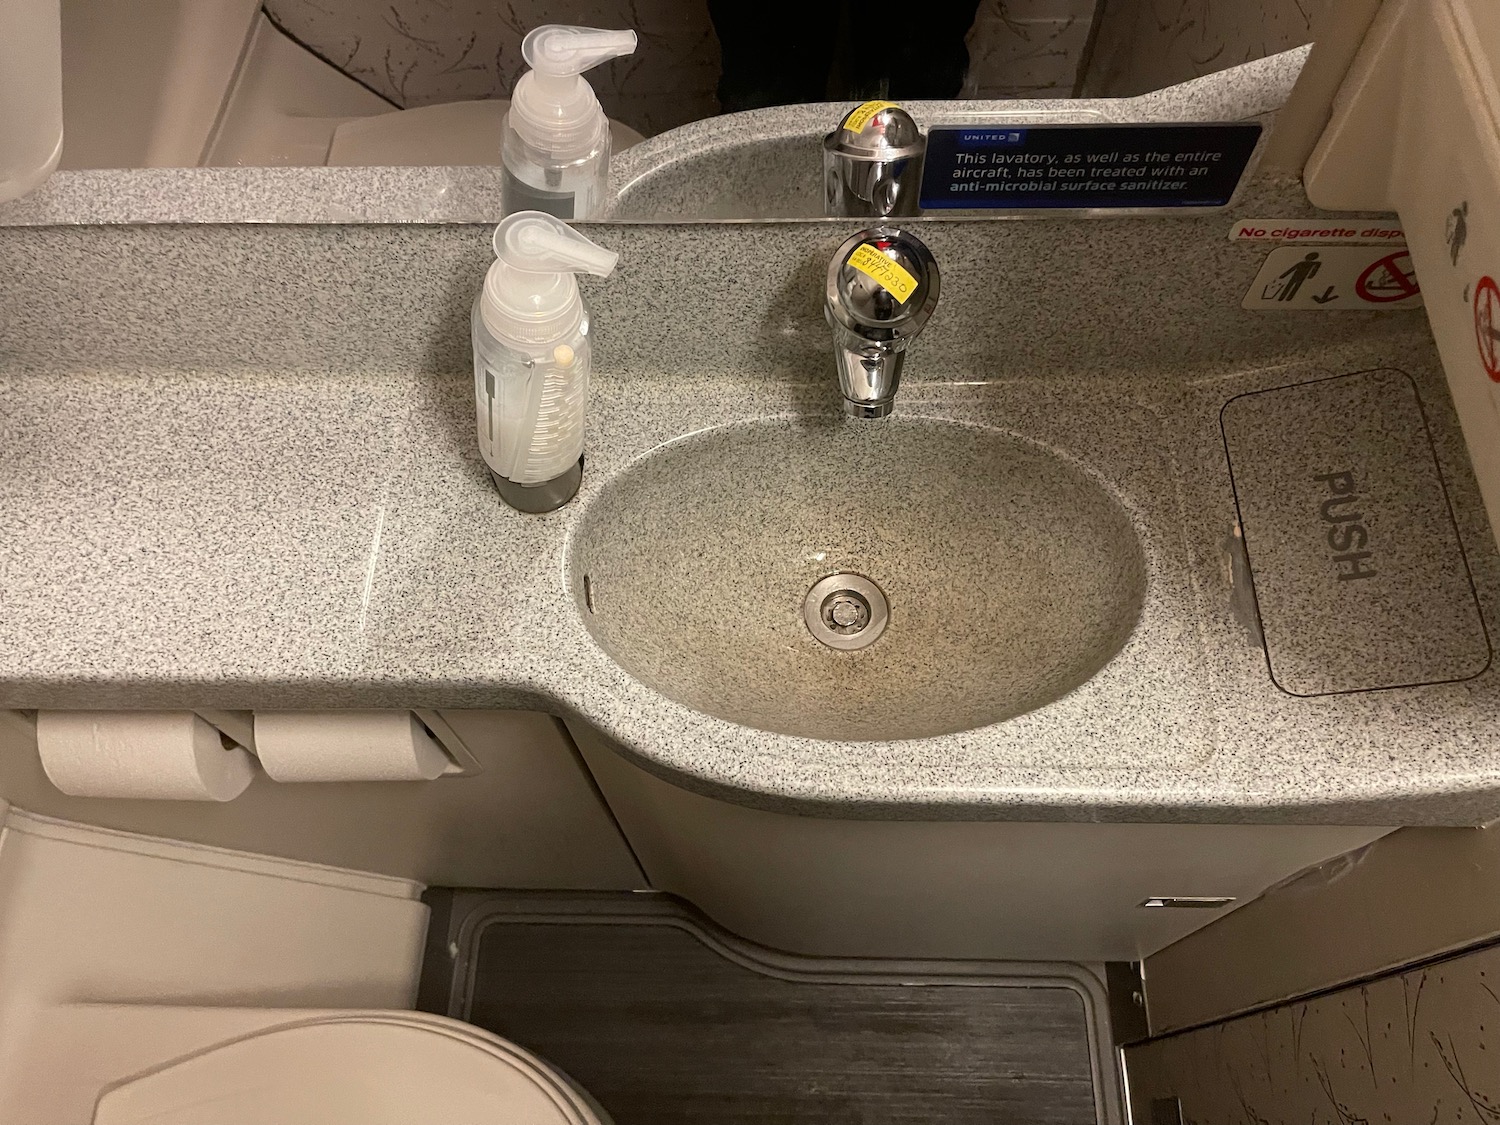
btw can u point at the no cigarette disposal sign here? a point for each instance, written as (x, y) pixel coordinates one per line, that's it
(1085, 166)
(1335, 279)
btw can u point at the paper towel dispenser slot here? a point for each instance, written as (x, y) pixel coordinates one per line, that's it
(235, 728)
(1359, 575)
(461, 763)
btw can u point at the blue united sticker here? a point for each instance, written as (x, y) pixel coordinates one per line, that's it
(1086, 166)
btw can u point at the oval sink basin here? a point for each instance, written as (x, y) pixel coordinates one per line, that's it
(1009, 575)
(776, 177)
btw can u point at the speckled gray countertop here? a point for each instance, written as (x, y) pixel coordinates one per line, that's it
(237, 469)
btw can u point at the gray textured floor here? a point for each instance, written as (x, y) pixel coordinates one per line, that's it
(663, 1030)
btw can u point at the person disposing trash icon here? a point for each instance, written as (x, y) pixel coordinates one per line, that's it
(1285, 287)
(1456, 230)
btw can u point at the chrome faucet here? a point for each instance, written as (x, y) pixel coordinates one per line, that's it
(872, 163)
(882, 287)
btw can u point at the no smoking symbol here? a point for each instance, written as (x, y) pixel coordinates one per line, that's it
(1487, 325)
(1389, 280)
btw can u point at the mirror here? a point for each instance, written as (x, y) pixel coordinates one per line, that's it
(719, 114)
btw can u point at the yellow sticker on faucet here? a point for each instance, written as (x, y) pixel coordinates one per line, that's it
(861, 116)
(890, 276)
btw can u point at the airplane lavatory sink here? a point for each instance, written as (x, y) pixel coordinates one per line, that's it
(854, 580)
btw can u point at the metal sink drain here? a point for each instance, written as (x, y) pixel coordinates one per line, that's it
(846, 611)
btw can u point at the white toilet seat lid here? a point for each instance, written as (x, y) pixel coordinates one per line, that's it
(366, 1069)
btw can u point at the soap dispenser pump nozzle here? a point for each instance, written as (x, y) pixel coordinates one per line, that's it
(535, 242)
(556, 49)
(530, 299)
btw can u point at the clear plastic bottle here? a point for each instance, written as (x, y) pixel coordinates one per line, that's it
(532, 359)
(555, 144)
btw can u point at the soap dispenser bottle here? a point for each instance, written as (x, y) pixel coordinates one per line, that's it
(555, 147)
(531, 359)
